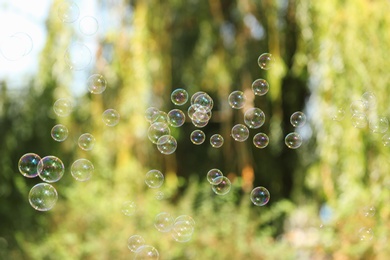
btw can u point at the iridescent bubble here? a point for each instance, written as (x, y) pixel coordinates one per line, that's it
(163, 222)
(86, 142)
(68, 11)
(111, 117)
(129, 208)
(293, 140)
(205, 101)
(260, 87)
(159, 195)
(298, 119)
(43, 197)
(167, 144)
(201, 114)
(240, 133)
(198, 123)
(176, 118)
(260, 140)
(154, 179)
(260, 196)
(59, 133)
(265, 61)
(386, 139)
(96, 84)
(63, 107)
(223, 187)
(151, 114)
(194, 96)
(368, 211)
(216, 140)
(28, 165)
(182, 231)
(156, 130)
(146, 252)
(379, 124)
(78, 56)
(50, 169)
(135, 242)
(197, 137)
(359, 120)
(179, 96)
(88, 25)
(254, 117)
(358, 107)
(237, 99)
(161, 117)
(214, 176)
(365, 234)
(82, 170)
(369, 99)
(16, 46)
(186, 219)
(338, 114)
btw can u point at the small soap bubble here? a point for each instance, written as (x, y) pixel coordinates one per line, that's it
(28, 165)
(146, 252)
(50, 169)
(386, 139)
(366, 234)
(260, 196)
(214, 176)
(201, 114)
(237, 99)
(151, 114)
(254, 117)
(260, 140)
(88, 25)
(194, 96)
(293, 140)
(338, 114)
(129, 208)
(86, 142)
(82, 170)
(135, 242)
(167, 144)
(369, 100)
(68, 12)
(182, 231)
(186, 219)
(176, 118)
(159, 195)
(240, 133)
(223, 187)
(204, 101)
(359, 120)
(368, 211)
(154, 179)
(379, 124)
(59, 133)
(111, 117)
(265, 61)
(78, 56)
(197, 137)
(179, 96)
(43, 197)
(63, 107)
(216, 140)
(156, 130)
(96, 84)
(298, 119)
(161, 117)
(199, 124)
(260, 87)
(16, 46)
(358, 107)
(163, 222)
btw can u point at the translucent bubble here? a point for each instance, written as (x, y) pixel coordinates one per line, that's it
(182, 231)
(260, 196)
(298, 119)
(237, 99)
(68, 11)
(260, 87)
(365, 234)
(359, 120)
(179, 96)
(216, 140)
(86, 142)
(82, 170)
(205, 101)
(163, 222)
(379, 124)
(59, 133)
(358, 107)
(265, 61)
(369, 99)
(159, 195)
(156, 130)
(111, 117)
(194, 96)
(201, 114)
(197, 137)
(260, 140)
(254, 117)
(16, 46)
(129, 208)
(151, 114)
(293, 140)
(78, 56)
(167, 144)
(176, 118)
(28, 165)
(88, 25)
(146, 252)
(63, 107)
(186, 219)
(214, 176)
(240, 132)
(50, 169)
(161, 117)
(154, 179)
(135, 242)
(338, 114)
(368, 211)
(43, 197)
(223, 187)
(386, 139)
(199, 124)
(96, 84)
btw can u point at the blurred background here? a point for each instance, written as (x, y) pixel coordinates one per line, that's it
(329, 198)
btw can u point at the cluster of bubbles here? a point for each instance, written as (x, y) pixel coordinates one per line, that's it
(220, 184)
(137, 245)
(293, 140)
(181, 228)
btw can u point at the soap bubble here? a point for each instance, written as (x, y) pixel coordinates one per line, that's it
(260, 140)
(386, 139)
(59, 133)
(163, 222)
(197, 137)
(43, 197)
(237, 99)
(88, 25)
(96, 84)
(159, 195)
(199, 124)
(78, 56)
(135, 242)
(166, 144)
(368, 211)
(111, 117)
(128, 208)
(204, 101)
(369, 99)
(182, 231)
(293, 140)
(151, 114)
(260, 196)
(154, 179)
(216, 140)
(28, 165)
(86, 142)
(298, 119)
(240, 132)
(156, 130)
(195, 95)
(359, 120)
(260, 87)
(179, 96)
(146, 252)
(68, 11)
(265, 61)
(50, 168)
(338, 114)
(176, 118)
(63, 107)
(254, 117)
(16, 46)
(379, 124)
(358, 107)
(82, 170)
(161, 117)
(365, 234)
(186, 219)
(201, 114)
(222, 187)
(214, 176)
